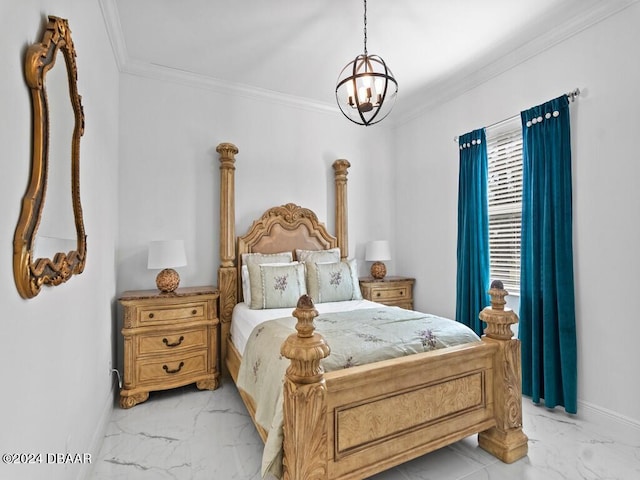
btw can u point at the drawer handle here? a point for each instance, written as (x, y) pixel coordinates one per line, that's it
(166, 342)
(166, 369)
(151, 315)
(378, 294)
(194, 311)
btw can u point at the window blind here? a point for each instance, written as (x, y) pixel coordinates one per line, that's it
(504, 150)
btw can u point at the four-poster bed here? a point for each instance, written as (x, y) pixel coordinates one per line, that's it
(409, 405)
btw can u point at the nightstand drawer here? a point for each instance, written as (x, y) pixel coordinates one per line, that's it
(172, 314)
(390, 293)
(396, 291)
(169, 368)
(172, 341)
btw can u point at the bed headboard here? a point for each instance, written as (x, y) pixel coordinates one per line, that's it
(281, 228)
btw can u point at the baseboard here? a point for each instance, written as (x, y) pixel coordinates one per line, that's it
(624, 428)
(98, 435)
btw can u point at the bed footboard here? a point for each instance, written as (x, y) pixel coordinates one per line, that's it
(383, 414)
(353, 423)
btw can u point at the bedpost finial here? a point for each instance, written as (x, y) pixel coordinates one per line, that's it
(227, 151)
(305, 312)
(305, 349)
(305, 301)
(341, 166)
(497, 294)
(497, 318)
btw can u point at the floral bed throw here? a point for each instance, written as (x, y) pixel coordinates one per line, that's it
(357, 337)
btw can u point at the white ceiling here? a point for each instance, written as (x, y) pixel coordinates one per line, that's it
(294, 49)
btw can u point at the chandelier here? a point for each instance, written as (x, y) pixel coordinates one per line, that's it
(366, 90)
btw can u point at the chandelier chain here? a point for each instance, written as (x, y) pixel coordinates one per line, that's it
(365, 28)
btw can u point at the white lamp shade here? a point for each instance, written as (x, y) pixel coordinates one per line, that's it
(166, 254)
(378, 251)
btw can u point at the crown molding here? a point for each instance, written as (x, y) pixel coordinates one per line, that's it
(436, 93)
(196, 80)
(114, 31)
(136, 67)
(483, 70)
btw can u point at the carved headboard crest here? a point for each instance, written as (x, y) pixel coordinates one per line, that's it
(289, 217)
(284, 228)
(291, 213)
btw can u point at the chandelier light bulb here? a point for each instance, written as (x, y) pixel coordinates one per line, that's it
(351, 89)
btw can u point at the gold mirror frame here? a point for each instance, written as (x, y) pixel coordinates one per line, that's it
(30, 274)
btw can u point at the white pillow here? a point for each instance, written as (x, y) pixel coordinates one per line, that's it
(259, 258)
(353, 266)
(276, 285)
(246, 285)
(333, 281)
(318, 256)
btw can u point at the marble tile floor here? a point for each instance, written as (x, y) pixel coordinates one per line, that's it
(190, 434)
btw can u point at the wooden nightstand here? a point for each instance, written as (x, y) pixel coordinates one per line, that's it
(170, 340)
(396, 291)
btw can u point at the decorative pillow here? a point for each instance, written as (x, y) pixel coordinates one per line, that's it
(260, 258)
(318, 256)
(246, 286)
(353, 266)
(276, 285)
(257, 259)
(333, 282)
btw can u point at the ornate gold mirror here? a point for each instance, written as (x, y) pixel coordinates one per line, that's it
(58, 251)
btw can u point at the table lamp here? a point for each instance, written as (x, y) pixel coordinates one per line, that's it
(377, 252)
(166, 254)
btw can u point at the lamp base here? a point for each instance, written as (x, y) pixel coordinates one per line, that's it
(167, 280)
(378, 270)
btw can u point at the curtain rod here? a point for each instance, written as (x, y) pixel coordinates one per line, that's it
(572, 96)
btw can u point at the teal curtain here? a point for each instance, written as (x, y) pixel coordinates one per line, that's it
(547, 307)
(472, 283)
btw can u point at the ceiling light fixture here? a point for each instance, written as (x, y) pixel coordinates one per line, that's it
(366, 90)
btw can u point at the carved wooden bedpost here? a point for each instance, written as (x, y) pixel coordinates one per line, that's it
(342, 223)
(506, 440)
(305, 408)
(227, 273)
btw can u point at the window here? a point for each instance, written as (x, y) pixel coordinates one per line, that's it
(504, 150)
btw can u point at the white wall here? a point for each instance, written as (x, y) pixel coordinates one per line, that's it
(57, 348)
(605, 125)
(169, 173)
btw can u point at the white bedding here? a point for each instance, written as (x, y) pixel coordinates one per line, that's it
(245, 319)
